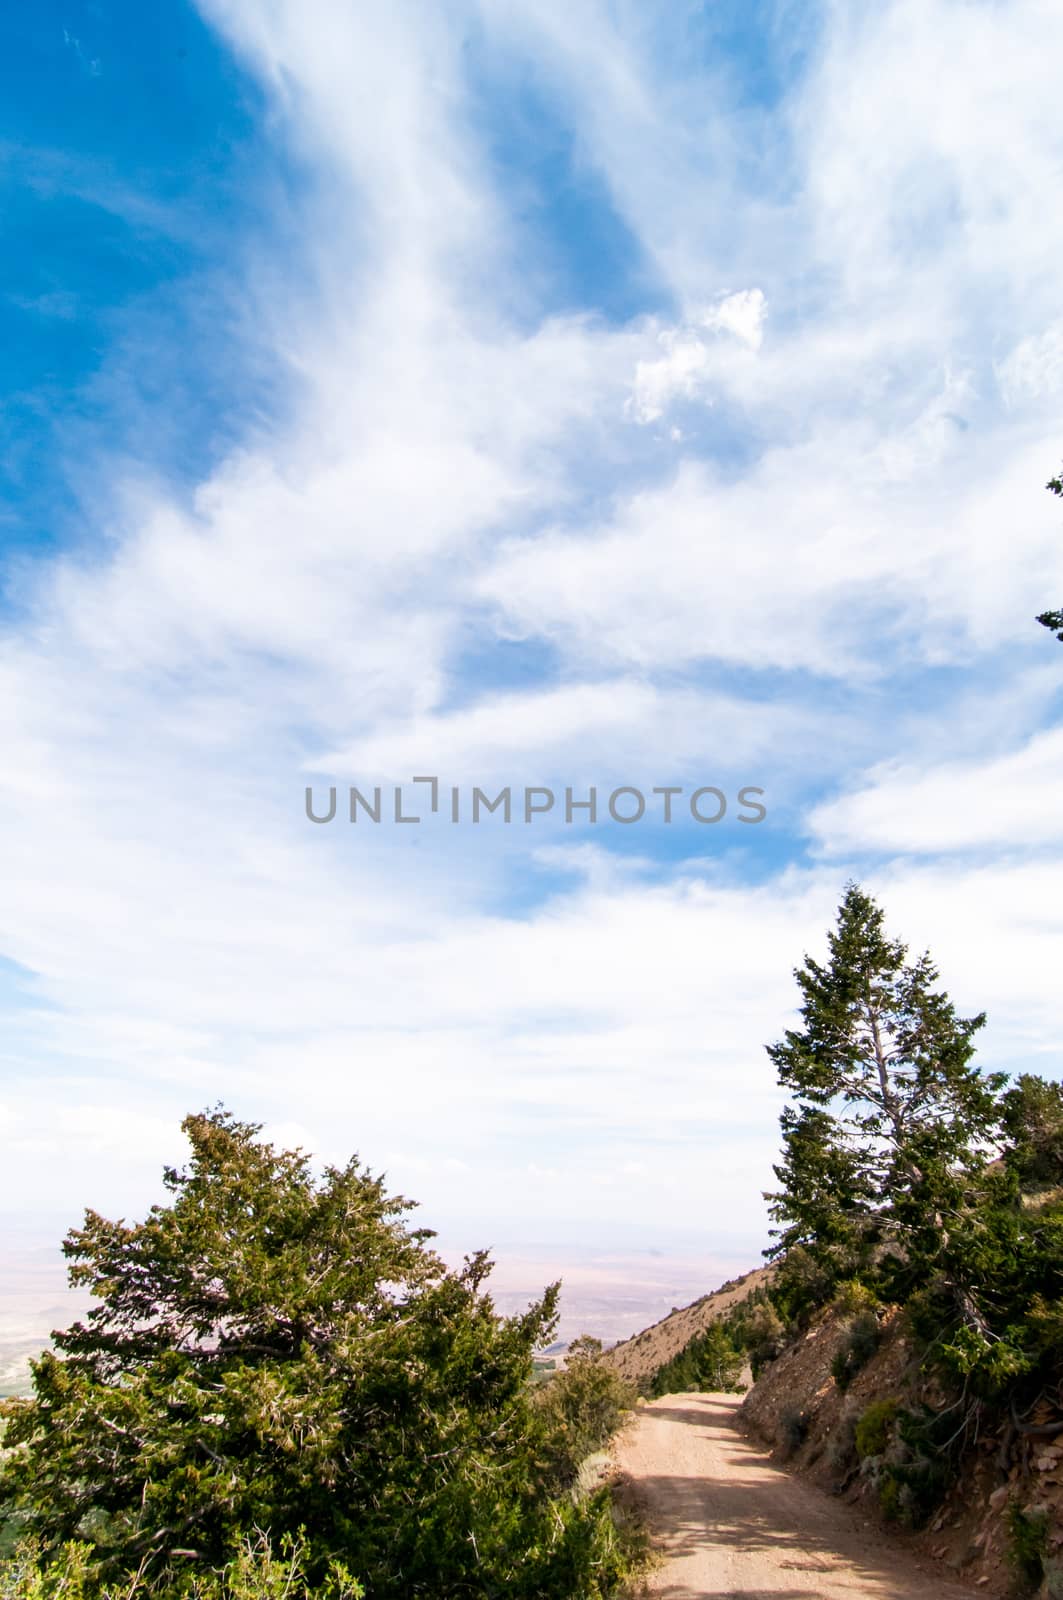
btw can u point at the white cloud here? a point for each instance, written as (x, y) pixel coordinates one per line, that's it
(811, 560)
(622, 1022)
(857, 499)
(741, 314)
(1033, 370)
(678, 373)
(685, 368)
(620, 730)
(1007, 803)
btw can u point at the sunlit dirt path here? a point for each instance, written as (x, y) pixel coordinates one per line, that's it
(727, 1522)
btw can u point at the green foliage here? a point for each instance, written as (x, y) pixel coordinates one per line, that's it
(792, 1431)
(910, 1469)
(580, 1409)
(890, 1117)
(254, 1573)
(910, 1494)
(862, 1337)
(713, 1360)
(758, 1329)
(920, 1464)
(874, 1428)
(275, 1352)
(995, 1323)
(1033, 1121)
(889, 1498)
(853, 1297)
(806, 1278)
(1053, 619)
(710, 1361)
(825, 1202)
(909, 1177)
(1028, 1544)
(24, 1577)
(841, 1443)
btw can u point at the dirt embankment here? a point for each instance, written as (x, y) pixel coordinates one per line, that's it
(1006, 1478)
(637, 1359)
(726, 1521)
(798, 1409)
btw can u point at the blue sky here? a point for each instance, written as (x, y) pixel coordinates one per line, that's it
(532, 395)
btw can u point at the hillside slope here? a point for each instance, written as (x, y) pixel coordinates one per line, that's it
(727, 1521)
(798, 1409)
(638, 1358)
(1004, 1474)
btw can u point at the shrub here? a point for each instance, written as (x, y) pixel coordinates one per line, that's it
(1028, 1543)
(889, 1498)
(580, 1408)
(853, 1297)
(274, 1351)
(906, 1464)
(792, 1431)
(875, 1428)
(23, 1576)
(254, 1573)
(921, 1483)
(763, 1334)
(862, 1339)
(841, 1444)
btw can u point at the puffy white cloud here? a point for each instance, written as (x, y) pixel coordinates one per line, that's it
(685, 368)
(741, 314)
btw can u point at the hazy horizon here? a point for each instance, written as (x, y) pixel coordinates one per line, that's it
(607, 1292)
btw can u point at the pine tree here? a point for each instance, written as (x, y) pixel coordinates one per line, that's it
(890, 1116)
(1033, 1119)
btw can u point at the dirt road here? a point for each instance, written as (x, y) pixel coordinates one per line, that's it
(729, 1523)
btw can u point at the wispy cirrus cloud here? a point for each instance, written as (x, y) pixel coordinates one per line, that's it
(791, 519)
